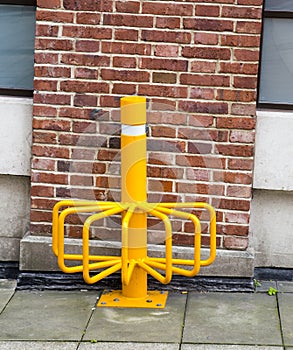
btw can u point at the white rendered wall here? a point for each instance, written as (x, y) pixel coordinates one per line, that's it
(15, 135)
(271, 223)
(15, 156)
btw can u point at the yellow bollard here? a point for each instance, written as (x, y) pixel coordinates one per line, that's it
(134, 262)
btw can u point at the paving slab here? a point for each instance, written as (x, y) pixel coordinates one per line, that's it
(47, 315)
(17, 345)
(139, 325)
(286, 313)
(7, 288)
(128, 346)
(264, 286)
(285, 287)
(228, 347)
(232, 318)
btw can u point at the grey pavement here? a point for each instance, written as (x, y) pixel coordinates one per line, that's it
(70, 320)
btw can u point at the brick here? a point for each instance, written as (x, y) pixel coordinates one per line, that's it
(243, 109)
(234, 204)
(84, 127)
(168, 22)
(54, 99)
(248, 27)
(45, 85)
(241, 178)
(126, 34)
(181, 37)
(206, 53)
(245, 82)
(87, 32)
(163, 90)
(52, 5)
(237, 243)
(200, 161)
(242, 136)
(42, 191)
(236, 95)
(50, 151)
(52, 72)
(126, 48)
(86, 73)
(167, 50)
(163, 131)
(127, 6)
(88, 5)
(44, 57)
(43, 164)
(205, 80)
(236, 230)
(167, 8)
(85, 60)
(166, 78)
(239, 68)
(87, 46)
(47, 30)
(240, 40)
(51, 124)
(199, 148)
(206, 10)
(88, 18)
(124, 89)
(165, 173)
(214, 25)
(55, 16)
(240, 164)
(237, 218)
(160, 185)
(125, 75)
(197, 174)
(44, 137)
(166, 146)
(81, 100)
(241, 12)
(239, 191)
(49, 178)
(53, 44)
(250, 2)
(235, 150)
(126, 62)
(81, 180)
(203, 66)
(135, 20)
(78, 86)
(199, 120)
(206, 38)
(41, 216)
(204, 107)
(166, 64)
(246, 55)
(201, 93)
(236, 123)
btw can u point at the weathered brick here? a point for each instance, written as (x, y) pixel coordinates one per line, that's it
(236, 123)
(52, 5)
(237, 243)
(47, 30)
(236, 95)
(243, 109)
(126, 48)
(203, 107)
(241, 12)
(55, 16)
(88, 18)
(239, 191)
(163, 90)
(85, 60)
(115, 19)
(167, 78)
(127, 6)
(126, 34)
(78, 86)
(87, 46)
(245, 82)
(206, 53)
(88, 5)
(52, 72)
(45, 85)
(81, 100)
(205, 80)
(248, 27)
(167, 50)
(240, 40)
(246, 55)
(166, 36)
(206, 38)
(126, 62)
(235, 150)
(206, 10)
(53, 44)
(51, 124)
(125, 75)
(124, 89)
(167, 8)
(168, 22)
(239, 68)
(215, 25)
(166, 64)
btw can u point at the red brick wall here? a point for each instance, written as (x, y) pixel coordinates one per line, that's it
(195, 61)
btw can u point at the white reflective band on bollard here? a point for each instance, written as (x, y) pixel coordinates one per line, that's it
(133, 130)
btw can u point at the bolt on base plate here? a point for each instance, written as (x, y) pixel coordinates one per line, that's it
(154, 300)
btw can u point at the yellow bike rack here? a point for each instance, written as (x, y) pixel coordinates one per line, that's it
(134, 262)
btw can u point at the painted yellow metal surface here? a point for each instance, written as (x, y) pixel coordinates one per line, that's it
(134, 262)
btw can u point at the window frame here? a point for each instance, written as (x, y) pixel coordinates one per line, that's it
(18, 92)
(271, 14)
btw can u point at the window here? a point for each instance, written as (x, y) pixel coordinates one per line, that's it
(276, 70)
(17, 34)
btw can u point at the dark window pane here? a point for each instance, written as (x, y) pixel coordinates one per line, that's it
(17, 33)
(279, 5)
(276, 79)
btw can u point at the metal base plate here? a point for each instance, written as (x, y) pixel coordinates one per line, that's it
(114, 298)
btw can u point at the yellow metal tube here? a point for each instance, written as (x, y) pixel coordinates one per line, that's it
(133, 190)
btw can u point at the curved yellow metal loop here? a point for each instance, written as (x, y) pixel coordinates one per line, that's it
(125, 271)
(197, 241)
(213, 229)
(168, 243)
(87, 267)
(69, 203)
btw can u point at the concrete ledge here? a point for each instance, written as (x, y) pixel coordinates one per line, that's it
(36, 255)
(9, 249)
